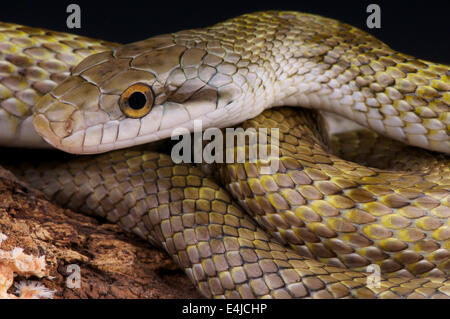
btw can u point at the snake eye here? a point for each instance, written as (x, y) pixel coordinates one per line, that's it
(136, 101)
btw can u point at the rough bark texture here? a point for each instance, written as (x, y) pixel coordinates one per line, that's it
(114, 264)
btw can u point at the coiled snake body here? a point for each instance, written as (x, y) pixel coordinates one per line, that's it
(321, 215)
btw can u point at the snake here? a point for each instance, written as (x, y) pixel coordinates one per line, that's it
(335, 206)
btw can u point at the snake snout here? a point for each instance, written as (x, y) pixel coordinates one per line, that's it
(53, 120)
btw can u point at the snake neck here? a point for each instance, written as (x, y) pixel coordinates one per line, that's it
(289, 58)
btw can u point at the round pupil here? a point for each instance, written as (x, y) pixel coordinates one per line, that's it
(137, 100)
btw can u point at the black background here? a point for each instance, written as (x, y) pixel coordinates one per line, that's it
(164, 308)
(419, 28)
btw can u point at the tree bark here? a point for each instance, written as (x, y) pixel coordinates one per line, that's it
(113, 264)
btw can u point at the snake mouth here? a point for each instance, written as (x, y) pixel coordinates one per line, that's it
(76, 143)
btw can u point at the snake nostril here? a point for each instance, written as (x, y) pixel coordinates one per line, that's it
(68, 127)
(61, 129)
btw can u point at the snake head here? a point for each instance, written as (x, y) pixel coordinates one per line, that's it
(135, 94)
